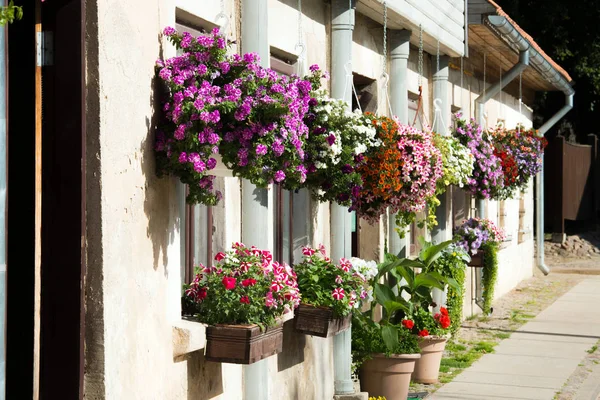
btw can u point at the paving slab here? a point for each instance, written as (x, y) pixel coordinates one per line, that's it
(537, 359)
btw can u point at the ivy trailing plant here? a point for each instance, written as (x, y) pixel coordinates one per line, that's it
(452, 264)
(490, 273)
(10, 13)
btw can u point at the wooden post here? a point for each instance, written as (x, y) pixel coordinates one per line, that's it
(593, 141)
(559, 191)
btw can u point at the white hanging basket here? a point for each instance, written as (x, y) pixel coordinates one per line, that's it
(221, 169)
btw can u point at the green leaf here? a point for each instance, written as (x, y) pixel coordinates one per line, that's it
(386, 267)
(430, 254)
(393, 306)
(428, 281)
(411, 263)
(390, 336)
(408, 274)
(383, 294)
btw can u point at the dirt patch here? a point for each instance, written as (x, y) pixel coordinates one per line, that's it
(480, 334)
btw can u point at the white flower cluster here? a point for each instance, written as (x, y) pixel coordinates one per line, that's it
(366, 269)
(458, 162)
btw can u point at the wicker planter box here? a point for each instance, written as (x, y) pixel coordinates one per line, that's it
(242, 344)
(319, 321)
(477, 259)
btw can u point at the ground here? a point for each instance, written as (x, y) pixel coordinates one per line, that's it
(480, 334)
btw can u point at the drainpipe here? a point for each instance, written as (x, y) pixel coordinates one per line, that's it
(255, 201)
(539, 189)
(491, 92)
(400, 50)
(342, 25)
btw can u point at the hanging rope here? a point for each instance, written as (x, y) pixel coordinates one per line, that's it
(222, 15)
(350, 82)
(385, 78)
(420, 115)
(484, 88)
(300, 46)
(500, 103)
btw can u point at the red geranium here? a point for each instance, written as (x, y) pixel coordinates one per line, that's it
(444, 311)
(424, 333)
(442, 318)
(245, 300)
(408, 324)
(249, 282)
(229, 283)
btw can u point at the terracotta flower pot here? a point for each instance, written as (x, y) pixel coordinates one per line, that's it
(388, 376)
(427, 368)
(319, 321)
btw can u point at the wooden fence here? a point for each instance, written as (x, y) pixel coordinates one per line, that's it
(571, 183)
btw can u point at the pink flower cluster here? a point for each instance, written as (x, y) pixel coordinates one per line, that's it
(230, 105)
(244, 286)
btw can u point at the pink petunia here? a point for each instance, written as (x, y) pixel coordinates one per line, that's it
(338, 294)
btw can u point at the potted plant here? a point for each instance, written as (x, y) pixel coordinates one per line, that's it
(385, 354)
(390, 342)
(481, 238)
(329, 292)
(242, 299)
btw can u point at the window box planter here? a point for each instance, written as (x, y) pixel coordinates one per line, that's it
(477, 259)
(319, 321)
(242, 344)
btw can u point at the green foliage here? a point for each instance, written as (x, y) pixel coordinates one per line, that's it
(452, 264)
(10, 13)
(490, 273)
(370, 337)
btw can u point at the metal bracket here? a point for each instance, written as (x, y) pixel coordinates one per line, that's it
(44, 48)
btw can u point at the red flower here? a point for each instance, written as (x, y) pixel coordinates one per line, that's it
(202, 293)
(407, 323)
(245, 300)
(444, 311)
(444, 321)
(220, 255)
(248, 282)
(424, 333)
(229, 283)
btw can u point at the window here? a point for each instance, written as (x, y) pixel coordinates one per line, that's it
(198, 227)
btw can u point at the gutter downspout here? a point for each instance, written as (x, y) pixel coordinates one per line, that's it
(491, 92)
(539, 190)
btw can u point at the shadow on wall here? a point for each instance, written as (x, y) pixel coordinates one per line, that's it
(205, 378)
(161, 200)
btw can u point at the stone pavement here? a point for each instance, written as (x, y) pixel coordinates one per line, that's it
(539, 357)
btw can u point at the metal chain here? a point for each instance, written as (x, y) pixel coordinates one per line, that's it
(462, 90)
(484, 72)
(222, 15)
(520, 100)
(501, 105)
(438, 57)
(384, 36)
(299, 21)
(420, 65)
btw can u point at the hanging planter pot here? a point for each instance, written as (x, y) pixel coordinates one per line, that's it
(319, 321)
(242, 344)
(477, 259)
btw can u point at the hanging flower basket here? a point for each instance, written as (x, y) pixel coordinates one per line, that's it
(319, 321)
(242, 344)
(401, 174)
(335, 147)
(228, 105)
(477, 259)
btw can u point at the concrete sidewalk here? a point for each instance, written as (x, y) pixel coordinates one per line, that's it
(539, 357)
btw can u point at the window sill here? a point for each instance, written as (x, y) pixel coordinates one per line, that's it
(188, 336)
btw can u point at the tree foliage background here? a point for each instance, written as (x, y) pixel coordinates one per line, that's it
(569, 32)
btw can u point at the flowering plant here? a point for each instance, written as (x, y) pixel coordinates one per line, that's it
(324, 284)
(243, 287)
(487, 169)
(520, 152)
(423, 323)
(335, 147)
(230, 105)
(475, 233)
(400, 174)
(457, 162)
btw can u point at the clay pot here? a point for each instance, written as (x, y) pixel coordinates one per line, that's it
(427, 368)
(388, 376)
